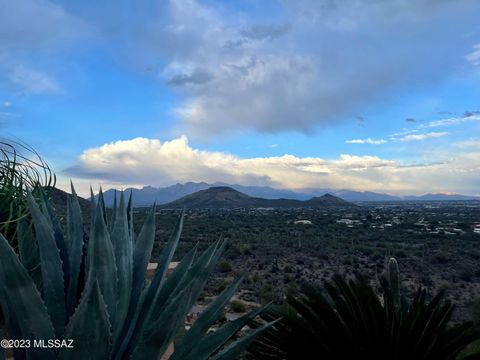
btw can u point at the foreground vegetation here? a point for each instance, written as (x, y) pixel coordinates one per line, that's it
(63, 287)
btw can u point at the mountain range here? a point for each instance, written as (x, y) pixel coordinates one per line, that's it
(163, 195)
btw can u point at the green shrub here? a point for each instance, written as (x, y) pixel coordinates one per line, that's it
(238, 306)
(225, 267)
(96, 293)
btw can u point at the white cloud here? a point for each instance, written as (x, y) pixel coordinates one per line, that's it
(474, 56)
(469, 116)
(6, 104)
(404, 135)
(471, 144)
(420, 137)
(366, 141)
(152, 162)
(32, 81)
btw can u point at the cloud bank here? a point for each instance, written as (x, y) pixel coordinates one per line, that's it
(145, 161)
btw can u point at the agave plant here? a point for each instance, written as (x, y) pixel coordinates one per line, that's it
(351, 321)
(95, 292)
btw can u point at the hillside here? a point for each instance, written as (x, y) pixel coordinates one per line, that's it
(326, 200)
(59, 200)
(223, 197)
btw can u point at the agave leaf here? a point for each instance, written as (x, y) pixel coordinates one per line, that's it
(58, 234)
(163, 264)
(27, 247)
(155, 341)
(193, 337)
(140, 262)
(141, 255)
(51, 266)
(14, 330)
(114, 211)
(75, 235)
(101, 202)
(136, 328)
(130, 217)
(22, 304)
(89, 328)
(123, 251)
(174, 283)
(168, 291)
(101, 262)
(29, 253)
(193, 280)
(92, 205)
(210, 344)
(233, 350)
(202, 270)
(123, 344)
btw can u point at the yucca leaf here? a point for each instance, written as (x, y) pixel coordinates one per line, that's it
(89, 328)
(193, 337)
(75, 236)
(51, 266)
(101, 262)
(25, 312)
(123, 251)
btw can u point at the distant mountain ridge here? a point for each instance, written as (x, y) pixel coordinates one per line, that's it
(224, 197)
(148, 194)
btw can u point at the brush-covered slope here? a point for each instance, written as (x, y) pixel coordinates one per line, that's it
(224, 197)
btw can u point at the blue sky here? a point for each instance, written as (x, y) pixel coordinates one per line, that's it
(358, 94)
